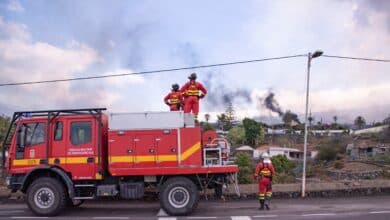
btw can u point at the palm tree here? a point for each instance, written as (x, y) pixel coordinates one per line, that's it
(335, 122)
(310, 119)
(207, 117)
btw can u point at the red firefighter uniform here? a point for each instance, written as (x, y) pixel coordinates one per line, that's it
(192, 92)
(264, 172)
(174, 100)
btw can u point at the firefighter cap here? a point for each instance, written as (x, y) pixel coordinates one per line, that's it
(175, 86)
(192, 76)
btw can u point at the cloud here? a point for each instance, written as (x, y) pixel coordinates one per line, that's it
(22, 59)
(366, 11)
(14, 5)
(122, 81)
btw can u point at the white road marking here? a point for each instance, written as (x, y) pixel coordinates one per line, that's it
(241, 218)
(200, 217)
(166, 218)
(111, 217)
(27, 217)
(264, 216)
(319, 214)
(11, 211)
(379, 212)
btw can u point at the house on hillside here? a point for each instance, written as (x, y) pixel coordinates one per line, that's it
(290, 153)
(365, 149)
(245, 149)
(330, 133)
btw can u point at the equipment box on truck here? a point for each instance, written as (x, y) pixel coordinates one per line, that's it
(60, 158)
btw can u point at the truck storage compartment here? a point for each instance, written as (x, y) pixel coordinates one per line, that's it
(150, 120)
(132, 190)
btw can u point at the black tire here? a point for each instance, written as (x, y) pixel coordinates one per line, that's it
(46, 196)
(179, 196)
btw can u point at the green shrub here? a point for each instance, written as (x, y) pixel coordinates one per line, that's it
(282, 164)
(245, 168)
(283, 178)
(381, 158)
(245, 175)
(327, 153)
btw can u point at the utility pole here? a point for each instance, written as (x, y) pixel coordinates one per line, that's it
(310, 56)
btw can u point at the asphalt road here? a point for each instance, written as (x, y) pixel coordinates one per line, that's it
(315, 208)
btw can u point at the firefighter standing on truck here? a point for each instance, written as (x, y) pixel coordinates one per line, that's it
(192, 92)
(174, 99)
(264, 172)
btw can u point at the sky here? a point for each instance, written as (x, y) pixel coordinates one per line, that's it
(45, 40)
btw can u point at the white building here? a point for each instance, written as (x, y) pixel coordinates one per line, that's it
(290, 153)
(371, 130)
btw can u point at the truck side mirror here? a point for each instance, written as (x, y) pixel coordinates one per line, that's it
(19, 138)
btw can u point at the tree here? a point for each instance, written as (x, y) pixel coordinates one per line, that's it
(230, 113)
(360, 122)
(254, 133)
(206, 126)
(310, 119)
(222, 121)
(245, 167)
(335, 119)
(334, 125)
(207, 117)
(225, 120)
(236, 135)
(4, 124)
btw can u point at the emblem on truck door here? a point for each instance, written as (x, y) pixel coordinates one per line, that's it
(32, 153)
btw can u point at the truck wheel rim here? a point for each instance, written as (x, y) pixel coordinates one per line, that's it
(44, 198)
(179, 197)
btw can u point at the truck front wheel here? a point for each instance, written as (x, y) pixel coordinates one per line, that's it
(46, 196)
(179, 196)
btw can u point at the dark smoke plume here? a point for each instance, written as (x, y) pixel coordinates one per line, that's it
(219, 94)
(270, 103)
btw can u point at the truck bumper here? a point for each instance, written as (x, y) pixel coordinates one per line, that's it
(13, 183)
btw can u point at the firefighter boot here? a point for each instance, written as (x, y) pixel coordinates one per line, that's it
(267, 202)
(261, 204)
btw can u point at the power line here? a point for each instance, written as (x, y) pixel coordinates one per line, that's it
(183, 68)
(149, 72)
(356, 58)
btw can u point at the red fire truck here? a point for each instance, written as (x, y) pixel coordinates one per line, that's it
(60, 158)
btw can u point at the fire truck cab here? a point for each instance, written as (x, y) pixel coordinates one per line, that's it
(60, 158)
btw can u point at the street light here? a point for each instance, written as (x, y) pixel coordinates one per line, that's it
(310, 56)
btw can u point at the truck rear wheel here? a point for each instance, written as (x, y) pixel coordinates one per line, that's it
(179, 196)
(46, 196)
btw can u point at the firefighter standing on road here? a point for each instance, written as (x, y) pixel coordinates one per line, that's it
(192, 92)
(264, 172)
(174, 99)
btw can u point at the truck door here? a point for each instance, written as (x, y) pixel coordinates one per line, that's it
(58, 144)
(81, 153)
(30, 149)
